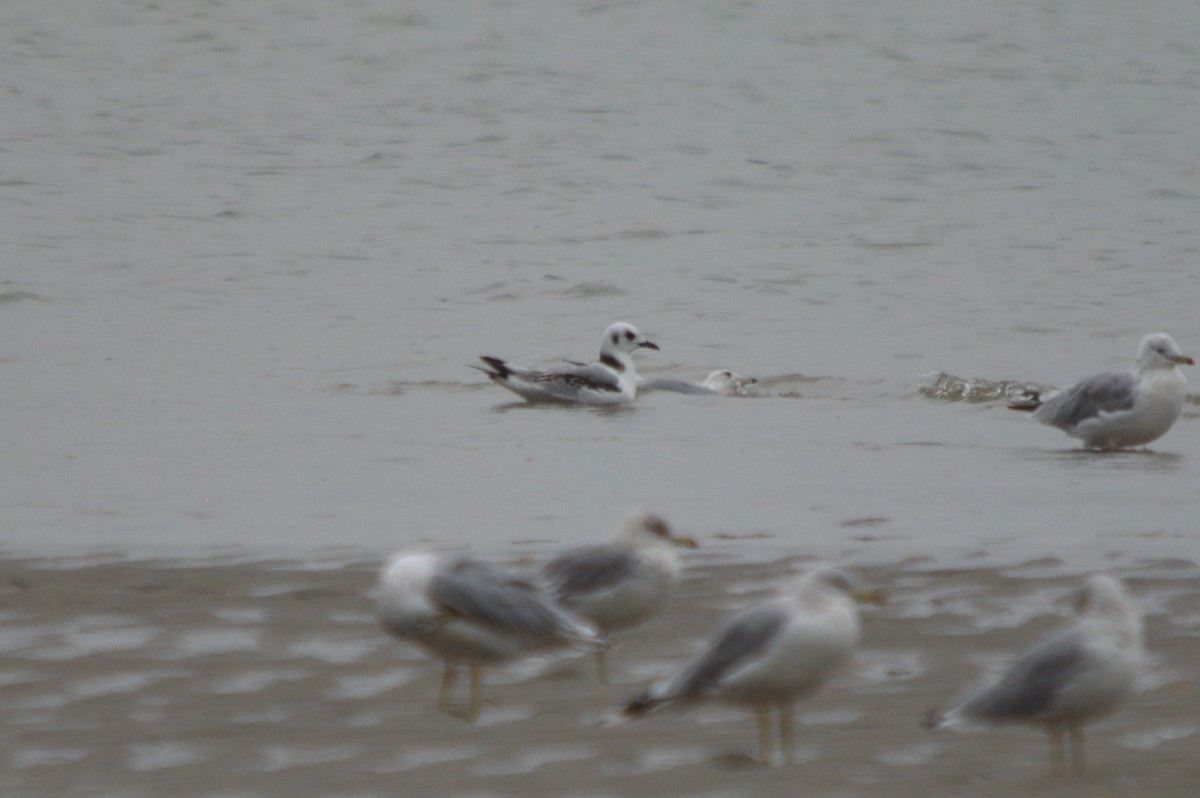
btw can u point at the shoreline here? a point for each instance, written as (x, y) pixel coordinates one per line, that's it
(273, 678)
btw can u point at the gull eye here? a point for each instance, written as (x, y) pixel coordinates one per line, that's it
(629, 335)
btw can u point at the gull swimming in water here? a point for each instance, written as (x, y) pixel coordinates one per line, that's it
(621, 584)
(467, 612)
(1119, 408)
(724, 382)
(1075, 676)
(771, 655)
(612, 380)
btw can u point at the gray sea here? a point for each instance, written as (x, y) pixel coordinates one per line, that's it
(249, 250)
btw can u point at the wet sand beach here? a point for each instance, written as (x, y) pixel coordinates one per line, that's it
(274, 679)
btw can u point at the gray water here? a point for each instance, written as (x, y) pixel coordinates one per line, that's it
(248, 250)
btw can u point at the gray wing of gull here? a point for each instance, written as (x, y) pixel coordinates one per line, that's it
(491, 597)
(745, 637)
(567, 382)
(1105, 393)
(588, 569)
(1032, 685)
(673, 385)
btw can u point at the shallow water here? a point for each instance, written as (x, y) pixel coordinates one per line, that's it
(250, 251)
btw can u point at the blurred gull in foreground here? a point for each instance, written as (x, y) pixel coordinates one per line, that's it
(612, 380)
(1082, 673)
(770, 655)
(1117, 409)
(471, 613)
(621, 584)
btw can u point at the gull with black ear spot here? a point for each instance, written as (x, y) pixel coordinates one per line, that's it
(1118, 409)
(612, 380)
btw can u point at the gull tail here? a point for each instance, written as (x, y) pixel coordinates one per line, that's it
(498, 369)
(1029, 400)
(580, 634)
(934, 719)
(643, 704)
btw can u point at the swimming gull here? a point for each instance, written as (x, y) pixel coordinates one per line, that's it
(724, 382)
(1075, 676)
(612, 380)
(467, 612)
(619, 585)
(1119, 408)
(770, 655)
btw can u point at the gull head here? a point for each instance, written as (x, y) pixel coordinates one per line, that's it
(829, 582)
(1103, 600)
(729, 383)
(622, 338)
(1160, 351)
(1103, 595)
(651, 529)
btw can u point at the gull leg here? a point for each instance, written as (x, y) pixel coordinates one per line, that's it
(476, 673)
(1057, 754)
(764, 734)
(602, 664)
(787, 736)
(1077, 754)
(449, 675)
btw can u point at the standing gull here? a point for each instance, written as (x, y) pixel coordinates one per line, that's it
(612, 380)
(1119, 408)
(1077, 675)
(770, 655)
(467, 612)
(619, 585)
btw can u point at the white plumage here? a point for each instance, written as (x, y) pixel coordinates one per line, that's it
(1082, 673)
(1117, 409)
(610, 381)
(770, 655)
(621, 584)
(467, 612)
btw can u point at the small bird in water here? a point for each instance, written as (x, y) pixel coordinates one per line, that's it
(724, 382)
(472, 613)
(1118, 409)
(610, 381)
(621, 584)
(771, 655)
(1073, 677)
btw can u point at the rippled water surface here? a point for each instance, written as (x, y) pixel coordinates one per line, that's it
(250, 250)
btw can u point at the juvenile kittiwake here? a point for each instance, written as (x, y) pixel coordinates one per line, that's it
(612, 380)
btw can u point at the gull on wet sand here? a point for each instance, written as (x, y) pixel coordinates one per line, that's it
(770, 655)
(1073, 677)
(471, 613)
(621, 584)
(1118, 409)
(610, 381)
(723, 382)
